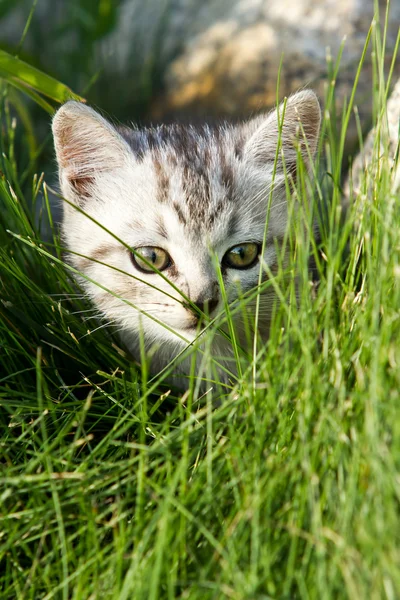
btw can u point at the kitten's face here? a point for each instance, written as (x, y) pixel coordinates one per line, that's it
(182, 201)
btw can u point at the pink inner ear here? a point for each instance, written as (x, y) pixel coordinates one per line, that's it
(64, 135)
(86, 144)
(73, 157)
(82, 186)
(300, 130)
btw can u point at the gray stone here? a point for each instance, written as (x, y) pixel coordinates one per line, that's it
(222, 58)
(381, 146)
(215, 58)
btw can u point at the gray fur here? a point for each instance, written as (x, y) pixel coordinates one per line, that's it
(195, 193)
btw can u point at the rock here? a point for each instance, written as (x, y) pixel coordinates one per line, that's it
(163, 59)
(222, 58)
(381, 145)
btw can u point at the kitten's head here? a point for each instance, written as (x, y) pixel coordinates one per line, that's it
(181, 200)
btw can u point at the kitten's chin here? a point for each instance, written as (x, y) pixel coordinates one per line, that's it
(163, 346)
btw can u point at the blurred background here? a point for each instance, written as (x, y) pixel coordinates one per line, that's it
(158, 60)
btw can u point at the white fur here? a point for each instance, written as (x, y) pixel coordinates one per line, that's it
(121, 196)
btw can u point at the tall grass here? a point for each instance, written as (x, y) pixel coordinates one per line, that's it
(285, 486)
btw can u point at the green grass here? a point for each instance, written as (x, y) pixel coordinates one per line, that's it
(286, 486)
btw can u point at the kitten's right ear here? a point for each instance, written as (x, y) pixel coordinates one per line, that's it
(86, 146)
(295, 124)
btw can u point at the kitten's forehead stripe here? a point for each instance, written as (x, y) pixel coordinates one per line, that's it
(162, 180)
(179, 213)
(201, 161)
(172, 160)
(216, 213)
(233, 225)
(239, 144)
(196, 187)
(137, 140)
(227, 174)
(161, 229)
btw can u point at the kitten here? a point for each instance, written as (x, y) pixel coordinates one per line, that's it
(178, 198)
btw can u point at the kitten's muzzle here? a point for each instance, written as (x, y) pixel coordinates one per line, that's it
(202, 306)
(207, 306)
(204, 299)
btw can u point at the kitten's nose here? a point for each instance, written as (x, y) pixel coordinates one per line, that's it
(205, 298)
(207, 306)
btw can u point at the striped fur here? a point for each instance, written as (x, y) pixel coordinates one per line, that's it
(196, 193)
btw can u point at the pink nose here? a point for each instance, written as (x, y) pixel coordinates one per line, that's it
(207, 306)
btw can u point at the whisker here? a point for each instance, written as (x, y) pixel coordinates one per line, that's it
(109, 324)
(81, 312)
(67, 295)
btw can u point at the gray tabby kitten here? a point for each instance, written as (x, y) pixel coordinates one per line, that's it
(179, 198)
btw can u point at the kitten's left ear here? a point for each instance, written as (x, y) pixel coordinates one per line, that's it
(296, 125)
(86, 146)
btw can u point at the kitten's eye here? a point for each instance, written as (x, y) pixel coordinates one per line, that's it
(243, 256)
(155, 257)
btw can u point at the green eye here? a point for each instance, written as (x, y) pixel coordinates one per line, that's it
(155, 257)
(243, 256)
